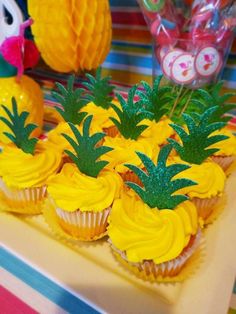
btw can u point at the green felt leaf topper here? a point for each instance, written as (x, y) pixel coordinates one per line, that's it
(130, 116)
(155, 99)
(159, 188)
(196, 141)
(71, 100)
(87, 150)
(20, 130)
(100, 89)
(211, 97)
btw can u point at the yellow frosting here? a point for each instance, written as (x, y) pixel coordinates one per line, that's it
(226, 147)
(21, 170)
(151, 234)
(101, 116)
(55, 137)
(209, 176)
(72, 190)
(157, 132)
(125, 152)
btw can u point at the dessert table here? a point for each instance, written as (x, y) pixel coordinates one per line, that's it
(42, 274)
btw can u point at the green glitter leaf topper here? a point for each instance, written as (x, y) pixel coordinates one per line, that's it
(158, 183)
(211, 97)
(130, 115)
(20, 130)
(71, 100)
(197, 139)
(155, 99)
(100, 89)
(87, 150)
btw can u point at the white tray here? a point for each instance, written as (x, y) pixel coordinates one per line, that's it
(90, 271)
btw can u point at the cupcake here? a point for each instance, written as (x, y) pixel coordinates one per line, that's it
(83, 193)
(129, 140)
(193, 149)
(156, 100)
(71, 102)
(155, 234)
(226, 154)
(99, 102)
(25, 166)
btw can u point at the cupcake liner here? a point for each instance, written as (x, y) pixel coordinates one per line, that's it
(112, 131)
(224, 162)
(175, 270)
(22, 201)
(210, 208)
(83, 226)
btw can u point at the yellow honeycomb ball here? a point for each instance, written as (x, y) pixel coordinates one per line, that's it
(72, 35)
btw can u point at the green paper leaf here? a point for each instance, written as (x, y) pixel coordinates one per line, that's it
(100, 90)
(87, 151)
(193, 148)
(130, 115)
(20, 130)
(71, 100)
(158, 183)
(155, 99)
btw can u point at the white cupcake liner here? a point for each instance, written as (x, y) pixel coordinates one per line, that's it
(224, 161)
(25, 201)
(167, 269)
(85, 225)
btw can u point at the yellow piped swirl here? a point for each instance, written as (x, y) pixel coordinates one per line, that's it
(157, 132)
(143, 233)
(124, 152)
(72, 190)
(209, 176)
(21, 170)
(226, 147)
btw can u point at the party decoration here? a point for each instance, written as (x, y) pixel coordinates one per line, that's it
(17, 54)
(100, 89)
(158, 183)
(87, 151)
(77, 38)
(197, 139)
(155, 99)
(21, 131)
(130, 115)
(71, 101)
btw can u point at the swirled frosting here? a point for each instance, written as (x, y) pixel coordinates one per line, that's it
(72, 190)
(226, 147)
(56, 138)
(21, 170)
(101, 116)
(151, 234)
(157, 132)
(124, 152)
(209, 176)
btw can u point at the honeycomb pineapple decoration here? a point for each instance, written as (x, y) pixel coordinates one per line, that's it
(12, 63)
(76, 39)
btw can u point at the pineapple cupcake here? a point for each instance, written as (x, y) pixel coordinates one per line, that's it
(71, 103)
(100, 101)
(193, 149)
(128, 141)
(25, 165)
(155, 100)
(156, 234)
(82, 194)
